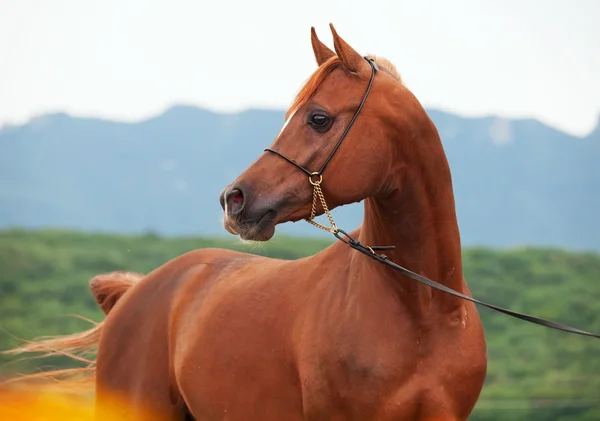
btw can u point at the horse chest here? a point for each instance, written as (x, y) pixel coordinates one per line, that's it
(392, 376)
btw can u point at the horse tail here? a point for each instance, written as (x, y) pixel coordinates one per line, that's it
(107, 289)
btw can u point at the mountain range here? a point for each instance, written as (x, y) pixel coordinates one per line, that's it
(518, 182)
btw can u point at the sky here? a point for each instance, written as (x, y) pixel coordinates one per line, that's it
(131, 59)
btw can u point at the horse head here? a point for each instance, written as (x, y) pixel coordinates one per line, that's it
(341, 101)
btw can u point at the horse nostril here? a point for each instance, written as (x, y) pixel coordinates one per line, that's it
(237, 198)
(235, 201)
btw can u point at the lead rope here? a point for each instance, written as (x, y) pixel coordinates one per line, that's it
(345, 238)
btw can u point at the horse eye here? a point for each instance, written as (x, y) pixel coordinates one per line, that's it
(319, 121)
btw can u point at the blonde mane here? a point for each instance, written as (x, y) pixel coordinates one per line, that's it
(387, 66)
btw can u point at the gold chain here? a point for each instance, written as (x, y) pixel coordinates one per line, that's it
(318, 196)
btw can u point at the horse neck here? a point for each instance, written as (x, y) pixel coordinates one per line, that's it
(418, 217)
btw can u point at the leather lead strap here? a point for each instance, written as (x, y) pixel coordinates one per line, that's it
(356, 245)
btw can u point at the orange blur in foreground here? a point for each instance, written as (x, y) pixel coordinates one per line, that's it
(38, 404)
(22, 405)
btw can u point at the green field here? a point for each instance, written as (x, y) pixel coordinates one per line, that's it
(534, 373)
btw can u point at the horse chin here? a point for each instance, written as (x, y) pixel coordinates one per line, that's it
(254, 234)
(261, 229)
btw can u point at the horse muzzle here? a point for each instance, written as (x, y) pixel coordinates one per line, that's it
(252, 218)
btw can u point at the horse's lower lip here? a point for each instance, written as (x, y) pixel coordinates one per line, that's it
(254, 231)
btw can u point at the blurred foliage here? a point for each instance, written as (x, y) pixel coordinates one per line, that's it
(534, 373)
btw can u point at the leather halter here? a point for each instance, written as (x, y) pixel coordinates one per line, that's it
(369, 251)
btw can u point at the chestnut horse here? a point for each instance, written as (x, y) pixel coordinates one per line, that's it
(223, 335)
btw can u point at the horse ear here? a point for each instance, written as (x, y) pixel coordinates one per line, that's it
(322, 52)
(350, 58)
